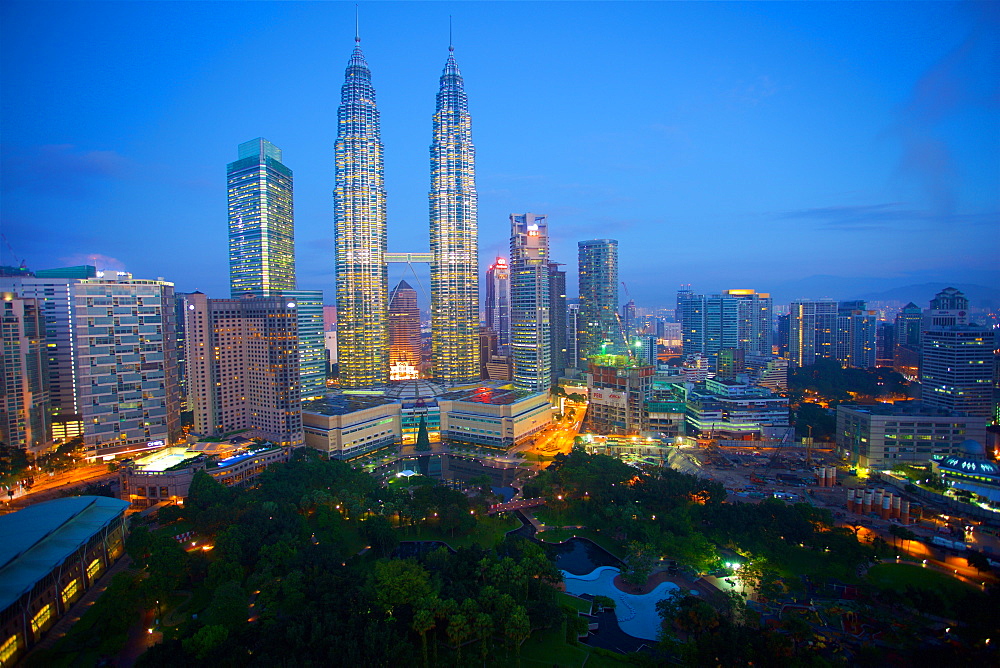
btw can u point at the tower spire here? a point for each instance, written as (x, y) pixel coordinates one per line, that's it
(357, 31)
(451, 43)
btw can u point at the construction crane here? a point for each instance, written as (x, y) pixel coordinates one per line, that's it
(21, 263)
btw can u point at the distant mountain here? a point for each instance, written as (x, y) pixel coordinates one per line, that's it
(979, 296)
(872, 288)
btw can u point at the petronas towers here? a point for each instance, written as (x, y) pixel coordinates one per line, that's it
(360, 234)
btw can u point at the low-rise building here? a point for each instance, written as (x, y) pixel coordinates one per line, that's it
(347, 426)
(52, 552)
(733, 409)
(493, 417)
(165, 475)
(884, 435)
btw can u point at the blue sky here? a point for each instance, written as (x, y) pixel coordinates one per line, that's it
(723, 144)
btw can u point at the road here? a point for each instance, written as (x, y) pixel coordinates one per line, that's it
(51, 486)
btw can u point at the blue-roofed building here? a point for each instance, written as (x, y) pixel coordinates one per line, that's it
(51, 553)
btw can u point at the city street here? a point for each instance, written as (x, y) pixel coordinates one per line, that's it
(51, 486)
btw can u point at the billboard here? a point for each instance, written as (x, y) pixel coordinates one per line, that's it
(599, 395)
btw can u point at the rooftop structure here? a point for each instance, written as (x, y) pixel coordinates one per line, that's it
(52, 552)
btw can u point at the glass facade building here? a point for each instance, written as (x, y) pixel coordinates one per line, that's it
(498, 303)
(126, 364)
(360, 232)
(261, 230)
(24, 392)
(531, 335)
(454, 235)
(598, 316)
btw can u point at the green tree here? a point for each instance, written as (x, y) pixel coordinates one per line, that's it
(639, 559)
(400, 582)
(205, 640)
(423, 621)
(228, 607)
(423, 438)
(459, 630)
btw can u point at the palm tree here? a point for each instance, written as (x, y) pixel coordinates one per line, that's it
(423, 621)
(459, 631)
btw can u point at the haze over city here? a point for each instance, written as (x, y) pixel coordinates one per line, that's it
(723, 144)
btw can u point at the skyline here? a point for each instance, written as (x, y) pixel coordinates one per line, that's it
(868, 132)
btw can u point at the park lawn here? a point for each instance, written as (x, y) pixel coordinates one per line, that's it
(556, 535)
(548, 647)
(546, 515)
(488, 532)
(581, 605)
(898, 577)
(797, 561)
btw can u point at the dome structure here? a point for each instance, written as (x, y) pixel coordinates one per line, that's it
(972, 449)
(414, 390)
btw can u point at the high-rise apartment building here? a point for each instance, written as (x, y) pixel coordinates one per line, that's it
(738, 319)
(126, 364)
(454, 234)
(360, 232)
(498, 302)
(812, 331)
(557, 321)
(629, 321)
(404, 333)
(243, 366)
(598, 319)
(24, 393)
(531, 343)
(51, 287)
(956, 371)
(907, 333)
(261, 229)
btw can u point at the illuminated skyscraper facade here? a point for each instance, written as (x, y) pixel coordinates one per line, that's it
(360, 233)
(498, 302)
(404, 332)
(531, 336)
(261, 230)
(598, 316)
(454, 235)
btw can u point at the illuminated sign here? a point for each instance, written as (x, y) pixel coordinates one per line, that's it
(608, 397)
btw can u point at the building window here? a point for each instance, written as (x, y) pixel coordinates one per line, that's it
(69, 593)
(41, 618)
(93, 569)
(8, 650)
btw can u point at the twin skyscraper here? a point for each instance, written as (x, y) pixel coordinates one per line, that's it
(360, 233)
(261, 235)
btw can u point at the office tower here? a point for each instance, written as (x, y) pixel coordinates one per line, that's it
(180, 346)
(261, 229)
(404, 333)
(956, 370)
(572, 327)
(243, 366)
(783, 327)
(644, 349)
(454, 234)
(598, 320)
(529, 302)
(126, 364)
(488, 349)
(498, 302)
(948, 308)
(906, 352)
(51, 287)
(885, 344)
(629, 323)
(557, 321)
(312, 340)
(812, 331)
(24, 393)
(856, 335)
(731, 362)
(359, 234)
(738, 319)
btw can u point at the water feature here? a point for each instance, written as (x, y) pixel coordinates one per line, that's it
(636, 613)
(580, 556)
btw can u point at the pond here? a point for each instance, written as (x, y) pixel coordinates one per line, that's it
(580, 556)
(636, 613)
